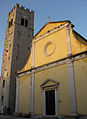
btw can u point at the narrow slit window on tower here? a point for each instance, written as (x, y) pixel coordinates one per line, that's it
(22, 21)
(2, 98)
(3, 83)
(26, 23)
(11, 22)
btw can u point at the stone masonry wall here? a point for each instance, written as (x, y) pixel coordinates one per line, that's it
(17, 48)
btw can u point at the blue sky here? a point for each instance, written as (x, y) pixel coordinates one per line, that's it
(73, 10)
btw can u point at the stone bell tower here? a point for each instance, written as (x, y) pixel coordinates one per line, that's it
(17, 48)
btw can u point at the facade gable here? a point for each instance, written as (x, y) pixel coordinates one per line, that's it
(50, 26)
(55, 41)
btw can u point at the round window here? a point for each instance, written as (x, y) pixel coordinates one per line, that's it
(49, 48)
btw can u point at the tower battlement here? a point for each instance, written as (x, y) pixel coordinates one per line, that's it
(21, 8)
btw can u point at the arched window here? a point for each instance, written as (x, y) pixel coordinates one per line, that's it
(26, 23)
(22, 21)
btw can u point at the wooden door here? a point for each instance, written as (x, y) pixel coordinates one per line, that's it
(50, 102)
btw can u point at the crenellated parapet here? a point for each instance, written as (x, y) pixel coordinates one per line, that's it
(20, 7)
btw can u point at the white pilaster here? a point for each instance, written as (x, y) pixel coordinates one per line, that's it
(56, 102)
(33, 54)
(68, 40)
(71, 88)
(32, 94)
(43, 103)
(17, 92)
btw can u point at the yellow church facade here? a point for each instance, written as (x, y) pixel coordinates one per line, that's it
(54, 79)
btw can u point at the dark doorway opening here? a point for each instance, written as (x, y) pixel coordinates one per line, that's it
(50, 102)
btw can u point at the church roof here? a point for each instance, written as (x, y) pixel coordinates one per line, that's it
(79, 37)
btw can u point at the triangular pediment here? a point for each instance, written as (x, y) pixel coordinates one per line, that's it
(49, 26)
(49, 83)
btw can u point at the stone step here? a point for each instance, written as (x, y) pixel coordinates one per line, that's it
(54, 117)
(12, 117)
(45, 117)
